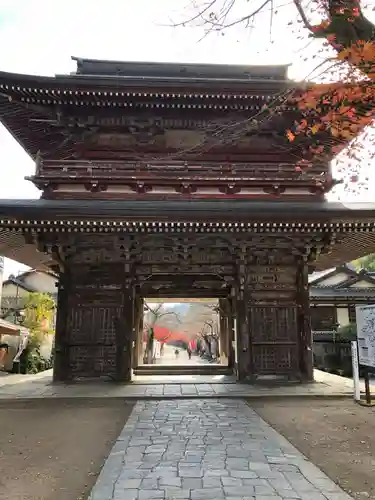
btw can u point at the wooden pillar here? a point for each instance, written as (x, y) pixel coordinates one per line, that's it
(61, 372)
(125, 333)
(244, 354)
(230, 329)
(223, 325)
(243, 344)
(140, 334)
(138, 347)
(304, 323)
(226, 327)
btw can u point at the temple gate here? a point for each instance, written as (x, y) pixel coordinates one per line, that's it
(170, 180)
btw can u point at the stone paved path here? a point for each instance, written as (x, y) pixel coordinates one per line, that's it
(40, 386)
(207, 449)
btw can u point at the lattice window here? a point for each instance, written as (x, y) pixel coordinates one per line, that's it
(93, 361)
(273, 324)
(278, 359)
(323, 318)
(93, 324)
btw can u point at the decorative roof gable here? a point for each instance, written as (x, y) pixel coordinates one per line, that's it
(334, 277)
(342, 282)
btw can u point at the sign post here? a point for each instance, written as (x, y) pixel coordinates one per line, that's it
(366, 343)
(355, 364)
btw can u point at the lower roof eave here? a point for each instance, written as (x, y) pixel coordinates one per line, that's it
(8, 328)
(186, 210)
(354, 223)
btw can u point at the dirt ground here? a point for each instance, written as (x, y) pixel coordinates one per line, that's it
(54, 449)
(337, 435)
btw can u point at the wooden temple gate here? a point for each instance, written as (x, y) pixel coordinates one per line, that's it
(103, 280)
(175, 180)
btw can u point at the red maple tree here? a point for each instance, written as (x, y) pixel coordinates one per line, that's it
(335, 113)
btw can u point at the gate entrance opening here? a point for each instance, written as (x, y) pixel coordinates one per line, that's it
(185, 336)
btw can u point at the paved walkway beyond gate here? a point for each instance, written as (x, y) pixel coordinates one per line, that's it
(207, 449)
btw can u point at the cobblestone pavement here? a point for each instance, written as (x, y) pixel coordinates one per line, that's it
(207, 449)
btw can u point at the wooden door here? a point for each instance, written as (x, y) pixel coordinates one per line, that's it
(274, 340)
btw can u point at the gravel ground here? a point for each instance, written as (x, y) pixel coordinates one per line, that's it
(54, 449)
(336, 435)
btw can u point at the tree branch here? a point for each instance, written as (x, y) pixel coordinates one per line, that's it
(346, 28)
(218, 22)
(243, 19)
(197, 16)
(301, 12)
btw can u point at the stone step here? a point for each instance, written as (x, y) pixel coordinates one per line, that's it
(182, 370)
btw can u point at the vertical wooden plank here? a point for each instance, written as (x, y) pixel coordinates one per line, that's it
(125, 329)
(244, 366)
(61, 365)
(230, 323)
(306, 340)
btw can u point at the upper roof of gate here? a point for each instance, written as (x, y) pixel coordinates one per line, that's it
(184, 72)
(167, 130)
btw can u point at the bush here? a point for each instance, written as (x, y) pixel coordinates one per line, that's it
(347, 333)
(32, 361)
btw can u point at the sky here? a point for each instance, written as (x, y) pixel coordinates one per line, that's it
(40, 36)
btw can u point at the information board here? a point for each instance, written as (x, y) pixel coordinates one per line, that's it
(366, 335)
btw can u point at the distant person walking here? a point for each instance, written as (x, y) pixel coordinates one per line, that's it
(176, 353)
(189, 352)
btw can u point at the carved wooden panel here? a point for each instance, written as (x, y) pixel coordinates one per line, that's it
(107, 276)
(274, 339)
(91, 326)
(92, 361)
(273, 324)
(159, 256)
(95, 307)
(184, 267)
(95, 248)
(271, 277)
(275, 359)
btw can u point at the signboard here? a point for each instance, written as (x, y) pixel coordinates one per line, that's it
(21, 347)
(366, 335)
(355, 365)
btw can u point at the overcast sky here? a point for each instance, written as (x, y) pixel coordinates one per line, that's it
(40, 36)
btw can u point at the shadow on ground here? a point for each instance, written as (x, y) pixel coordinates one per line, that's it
(336, 435)
(54, 449)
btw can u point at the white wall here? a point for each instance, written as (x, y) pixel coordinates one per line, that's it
(12, 290)
(44, 283)
(342, 316)
(363, 284)
(40, 281)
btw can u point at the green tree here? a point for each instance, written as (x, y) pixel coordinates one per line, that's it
(39, 312)
(367, 262)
